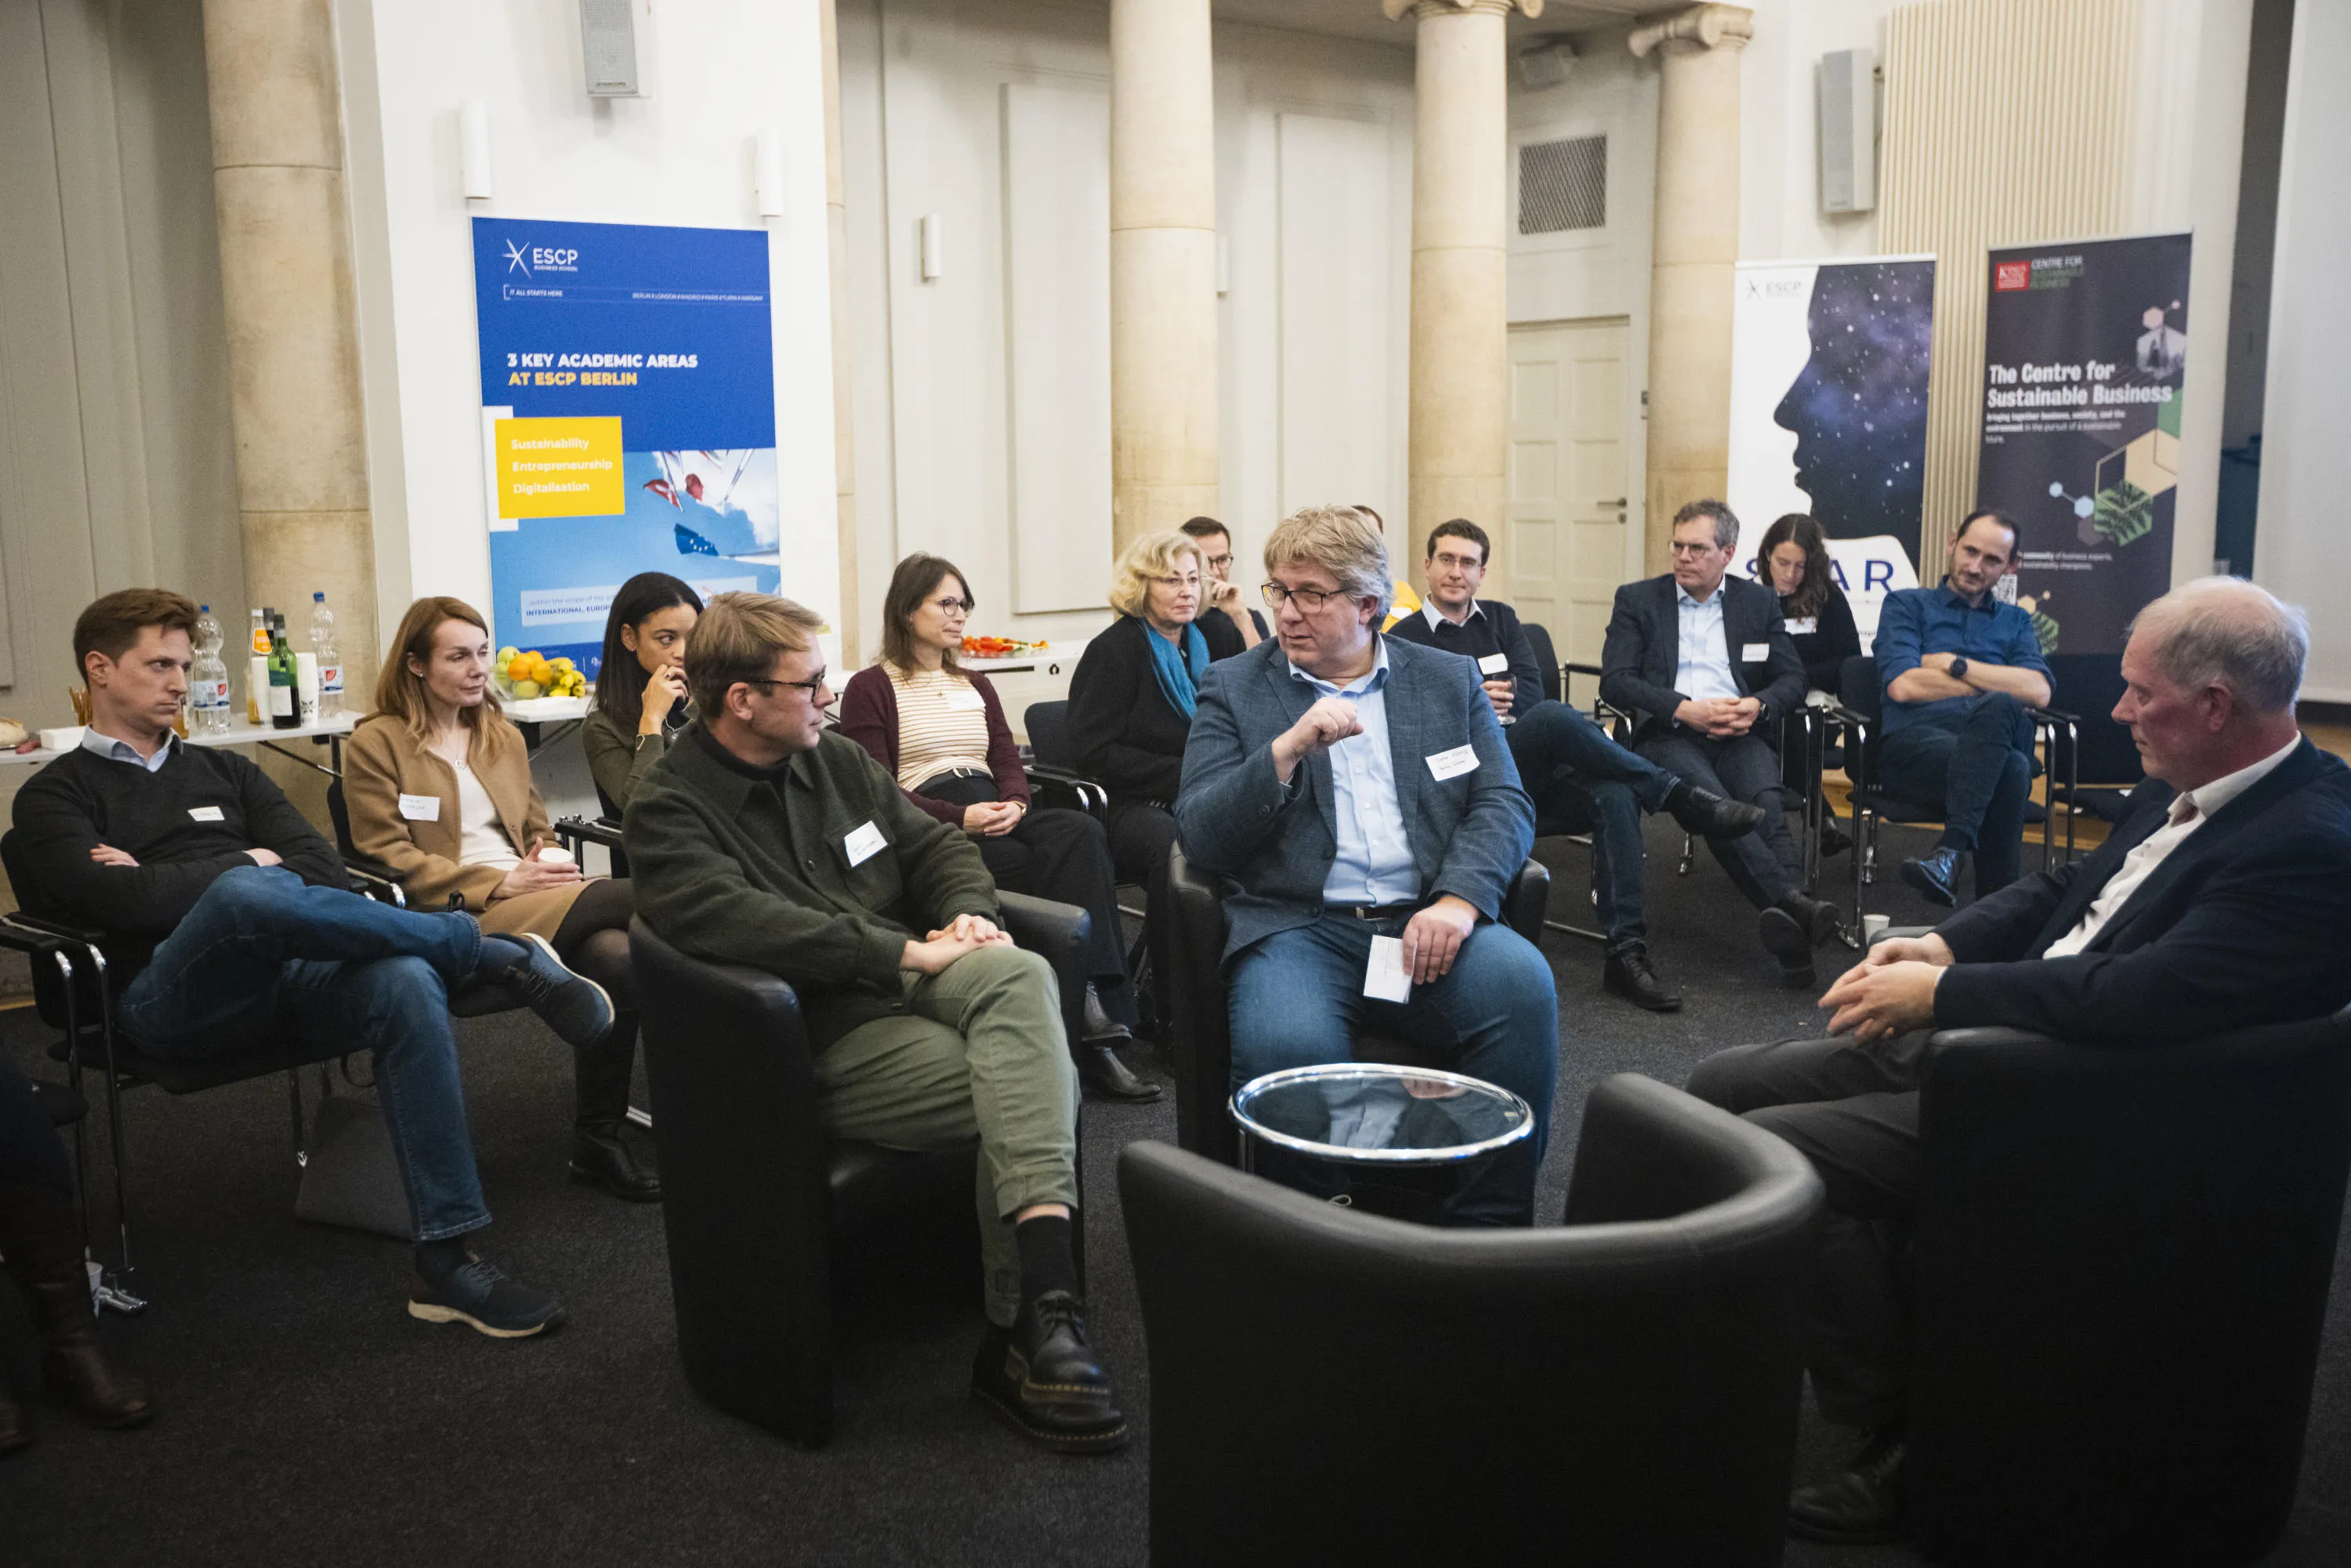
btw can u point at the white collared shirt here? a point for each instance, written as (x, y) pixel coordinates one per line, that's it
(1704, 667)
(1436, 617)
(1371, 860)
(115, 750)
(2145, 856)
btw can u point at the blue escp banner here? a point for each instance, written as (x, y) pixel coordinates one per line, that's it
(627, 419)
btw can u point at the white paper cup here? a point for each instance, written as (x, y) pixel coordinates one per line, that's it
(555, 854)
(1872, 924)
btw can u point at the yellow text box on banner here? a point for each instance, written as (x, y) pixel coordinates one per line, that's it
(559, 467)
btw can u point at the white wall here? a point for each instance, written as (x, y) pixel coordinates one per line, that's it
(718, 71)
(2300, 555)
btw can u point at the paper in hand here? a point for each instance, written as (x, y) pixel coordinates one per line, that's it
(1386, 978)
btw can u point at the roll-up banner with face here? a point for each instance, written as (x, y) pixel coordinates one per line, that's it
(1828, 412)
(2086, 355)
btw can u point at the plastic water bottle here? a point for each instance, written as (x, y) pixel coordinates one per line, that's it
(322, 648)
(208, 677)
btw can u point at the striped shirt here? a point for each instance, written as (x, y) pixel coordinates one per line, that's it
(942, 724)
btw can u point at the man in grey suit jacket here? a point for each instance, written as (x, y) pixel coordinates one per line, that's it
(1706, 663)
(1358, 787)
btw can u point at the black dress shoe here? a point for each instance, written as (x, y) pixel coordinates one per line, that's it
(1708, 815)
(1834, 840)
(601, 1158)
(1629, 976)
(1861, 1504)
(1937, 876)
(1105, 1077)
(1101, 1028)
(1041, 1375)
(1817, 918)
(1789, 939)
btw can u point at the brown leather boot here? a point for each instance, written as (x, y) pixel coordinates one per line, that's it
(43, 1246)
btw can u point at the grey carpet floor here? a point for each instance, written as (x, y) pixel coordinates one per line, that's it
(305, 1418)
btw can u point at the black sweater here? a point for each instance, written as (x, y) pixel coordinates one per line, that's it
(1126, 735)
(1223, 637)
(82, 800)
(1832, 641)
(1494, 629)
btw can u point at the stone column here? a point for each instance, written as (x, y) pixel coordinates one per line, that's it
(1459, 444)
(854, 651)
(1163, 267)
(293, 337)
(1693, 258)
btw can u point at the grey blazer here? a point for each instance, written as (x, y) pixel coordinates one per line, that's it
(1470, 833)
(1642, 653)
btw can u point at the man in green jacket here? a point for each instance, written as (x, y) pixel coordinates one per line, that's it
(760, 839)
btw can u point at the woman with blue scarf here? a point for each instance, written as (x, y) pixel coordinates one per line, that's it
(1131, 704)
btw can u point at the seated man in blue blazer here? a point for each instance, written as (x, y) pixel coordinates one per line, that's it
(1358, 787)
(2219, 903)
(1705, 659)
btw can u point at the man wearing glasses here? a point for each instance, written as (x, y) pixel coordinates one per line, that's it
(1358, 789)
(1706, 662)
(760, 839)
(1228, 624)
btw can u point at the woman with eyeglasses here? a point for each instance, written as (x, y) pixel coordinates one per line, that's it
(641, 701)
(1794, 559)
(1130, 702)
(941, 730)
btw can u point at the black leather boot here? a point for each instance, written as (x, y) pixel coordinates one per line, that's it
(601, 1158)
(1104, 1077)
(1862, 1503)
(1708, 814)
(600, 1155)
(1041, 1375)
(1101, 1029)
(14, 1433)
(43, 1246)
(1629, 976)
(1937, 876)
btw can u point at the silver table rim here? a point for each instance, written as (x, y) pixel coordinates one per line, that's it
(1251, 1127)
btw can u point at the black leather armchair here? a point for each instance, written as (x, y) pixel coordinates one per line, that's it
(758, 1194)
(2122, 1257)
(1203, 1045)
(1331, 1386)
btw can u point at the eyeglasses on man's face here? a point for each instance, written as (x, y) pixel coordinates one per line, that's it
(1694, 547)
(1220, 564)
(809, 687)
(1309, 598)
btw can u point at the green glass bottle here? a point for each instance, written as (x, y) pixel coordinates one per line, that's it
(284, 712)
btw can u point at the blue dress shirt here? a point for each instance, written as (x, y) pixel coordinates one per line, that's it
(1704, 670)
(1916, 622)
(1372, 864)
(115, 750)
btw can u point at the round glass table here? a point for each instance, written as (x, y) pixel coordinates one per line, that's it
(1399, 1141)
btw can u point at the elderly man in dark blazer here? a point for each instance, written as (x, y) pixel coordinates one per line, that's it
(1358, 787)
(1704, 663)
(2219, 903)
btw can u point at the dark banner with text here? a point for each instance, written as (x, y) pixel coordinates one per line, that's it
(2085, 354)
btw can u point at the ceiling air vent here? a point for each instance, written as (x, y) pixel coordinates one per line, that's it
(1563, 185)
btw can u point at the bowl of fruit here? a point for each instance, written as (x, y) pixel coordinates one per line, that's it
(524, 676)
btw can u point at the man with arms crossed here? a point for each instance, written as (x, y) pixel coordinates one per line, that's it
(1357, 787)
(1705, 659)
(1576, 772)
(763, 838)
(240, 922)
(1960, 669)
(2219, 903)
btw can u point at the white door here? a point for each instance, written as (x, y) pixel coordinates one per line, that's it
(1564, 529)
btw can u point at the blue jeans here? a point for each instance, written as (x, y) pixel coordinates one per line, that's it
(1298, 1001)
(1582, 780)
(1764, 864)
(264, 953)
(1978, 761)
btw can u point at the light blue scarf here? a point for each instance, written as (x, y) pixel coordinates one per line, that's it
(1179, 673)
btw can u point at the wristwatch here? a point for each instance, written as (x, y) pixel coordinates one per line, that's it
(1959, 668)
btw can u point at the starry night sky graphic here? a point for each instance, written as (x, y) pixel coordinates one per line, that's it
(1859, 407)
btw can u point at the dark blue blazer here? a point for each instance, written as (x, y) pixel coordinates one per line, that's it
(1470, 833)
(2243, 924)
(1643, 653)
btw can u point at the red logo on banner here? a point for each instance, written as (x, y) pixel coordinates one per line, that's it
(2011, 275)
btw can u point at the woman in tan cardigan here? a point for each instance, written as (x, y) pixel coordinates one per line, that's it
(439, 788)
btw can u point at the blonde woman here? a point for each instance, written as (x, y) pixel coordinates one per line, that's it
(439, 788)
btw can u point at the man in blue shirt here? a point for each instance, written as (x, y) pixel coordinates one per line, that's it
(1358, 788)
(1960, 669)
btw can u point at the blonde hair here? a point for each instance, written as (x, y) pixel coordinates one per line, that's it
(1153, 555)
(739, 638)
(400, 691)
(1345, 541)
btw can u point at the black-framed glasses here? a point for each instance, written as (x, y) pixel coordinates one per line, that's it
(811, 688)
(1309, 598)
(952, 606)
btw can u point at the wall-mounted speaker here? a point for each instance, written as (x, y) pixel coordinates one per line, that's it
(608, 46)
(1546, 64)
(1848, 99)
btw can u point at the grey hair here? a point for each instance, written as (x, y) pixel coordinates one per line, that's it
(1725, 521)
(1344, 541)
(2226, 631)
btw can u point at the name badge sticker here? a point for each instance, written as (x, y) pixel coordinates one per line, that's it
(1754, 653)
(1494, 664)
(1803, 626)
(963, 699)
(1386, 979)
(206, 814)
(421, 808)
(863, 844)
(1454, 763)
